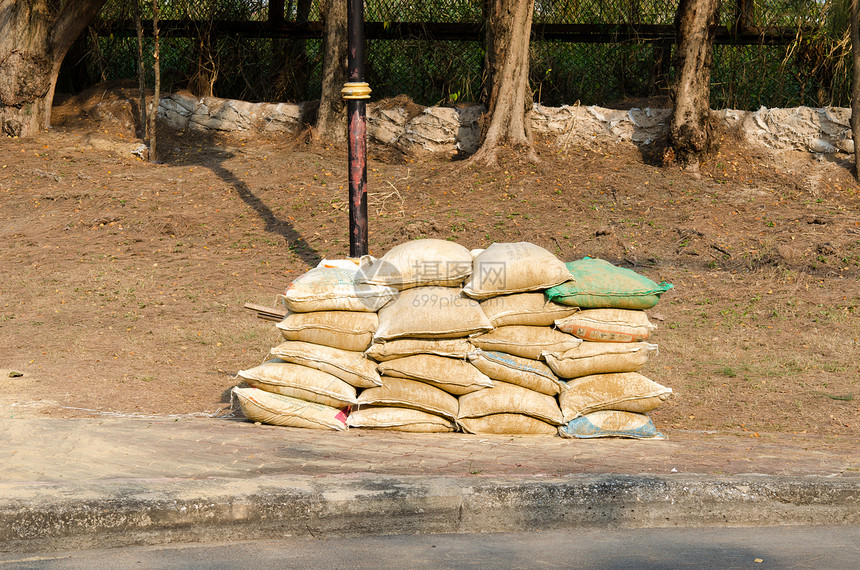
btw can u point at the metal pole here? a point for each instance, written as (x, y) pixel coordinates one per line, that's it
(356, 91)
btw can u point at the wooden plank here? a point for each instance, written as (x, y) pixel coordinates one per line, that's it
(267, 313)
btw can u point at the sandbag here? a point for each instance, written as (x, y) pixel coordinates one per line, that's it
(531, 309)
(608, 325)
(327, 288)
(275, 409)
(507, 424)
(525, 372)
(400, 392)
(300, 382)
(351, 367)
(504, 398)
(598, 284)
(431, 312)
(419, 263)
(527, 342)
(625, 391)
(506, 268)
(611, 423)
(600, 358)
(399, 419)
(347, 330)
(451, 347)
(456, 377)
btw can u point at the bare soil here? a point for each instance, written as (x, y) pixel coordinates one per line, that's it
(123, 281)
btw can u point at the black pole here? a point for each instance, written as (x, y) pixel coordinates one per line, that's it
(356, 91)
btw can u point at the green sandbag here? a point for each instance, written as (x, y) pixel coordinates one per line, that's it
(597, 284)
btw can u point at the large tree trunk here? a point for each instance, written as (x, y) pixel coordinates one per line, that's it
(855, 84)
(509, 24)
(690, 133)
(33, 43)
(152, 131)
(331, 119)
(141, 72)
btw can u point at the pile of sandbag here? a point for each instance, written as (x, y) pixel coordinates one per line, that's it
(312, 379)
(433, 338)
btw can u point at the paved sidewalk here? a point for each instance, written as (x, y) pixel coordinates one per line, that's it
(85, 483)
(55, 450)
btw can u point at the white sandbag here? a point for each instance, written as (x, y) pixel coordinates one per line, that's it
(275, 409)
(419, 263)
(451, 347)
(507, 424)
(351, 367)
(400, 392)
(531, 309)
(600, 358)
(525, 372)
(504, 398)
(625, 391)
(431, 312)
(506, 268)
(347, 330)
(334, 289)
(611, 423)
(527, 342)
(300, 382)
(608, 325)
(456, 377)
(399, 419)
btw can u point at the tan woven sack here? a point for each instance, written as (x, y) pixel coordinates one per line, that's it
(419, 263)
(527, 342)
(525, 372)
(399, 419)
(601, 358)
(451, 347)
(507, 424)
(400, 392)
(505, 268)
(626, 391)
(608, 325)
(531, 309)
(274, 409)
(431, 312)
(351, 367)
(300, 382)
(334, 289)
(346, 330)
(504, 398)
(454, 376)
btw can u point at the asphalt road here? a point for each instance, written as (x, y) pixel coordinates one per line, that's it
(757, 547)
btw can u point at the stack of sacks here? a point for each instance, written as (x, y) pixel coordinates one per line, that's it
(508, 279)
(421, 342)
(313, 377)
(605, 395)
(432, 338)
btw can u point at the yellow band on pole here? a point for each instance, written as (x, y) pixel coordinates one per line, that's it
(355, 91)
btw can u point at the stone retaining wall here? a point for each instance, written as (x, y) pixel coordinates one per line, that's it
(451, 130)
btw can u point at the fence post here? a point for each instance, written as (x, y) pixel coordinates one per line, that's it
(356, 91)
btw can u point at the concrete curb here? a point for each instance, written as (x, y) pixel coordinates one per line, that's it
(100, 514)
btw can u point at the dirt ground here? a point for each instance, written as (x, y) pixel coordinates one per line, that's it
(123, 281)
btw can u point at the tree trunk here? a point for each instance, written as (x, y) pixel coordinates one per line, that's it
(141, 72)
(855, 84)
(33, 42)
(331, 119)
(689, 132)
(509, 24)
(156, 90)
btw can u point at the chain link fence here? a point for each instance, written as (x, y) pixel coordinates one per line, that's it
(602, 52)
